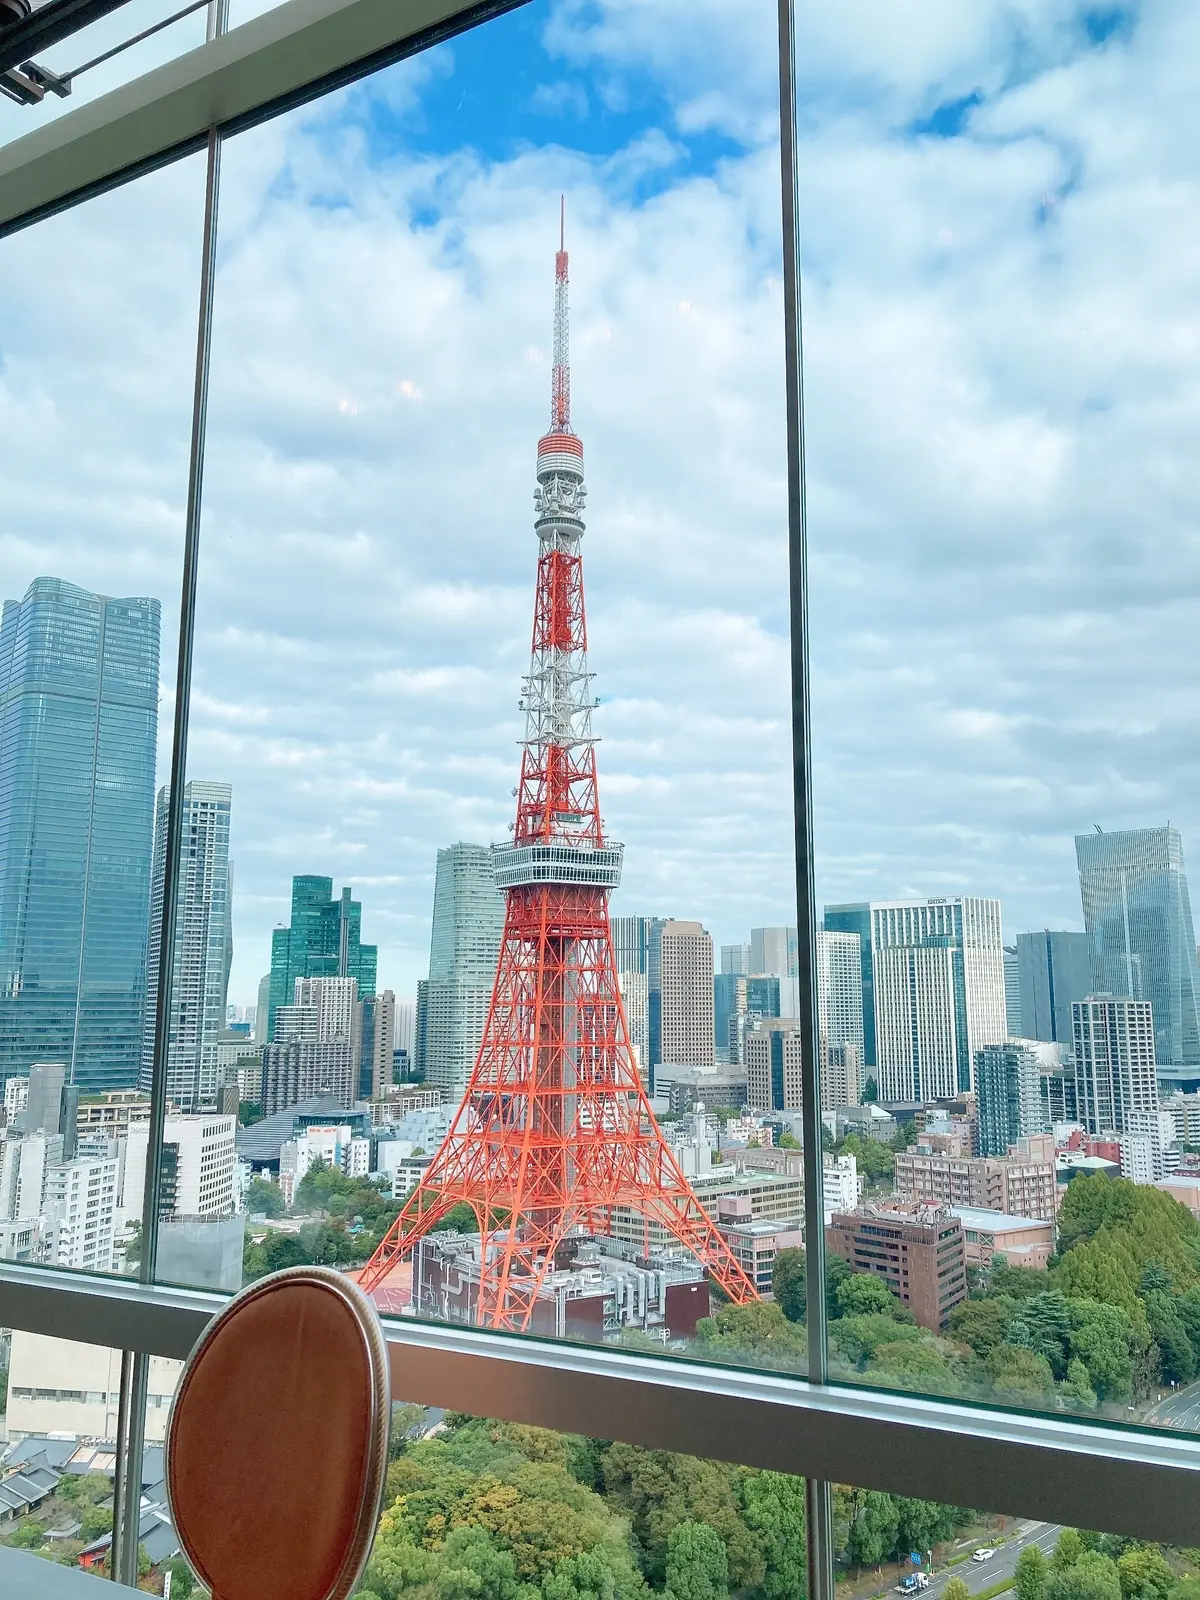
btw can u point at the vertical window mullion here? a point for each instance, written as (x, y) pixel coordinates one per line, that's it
(818, 1499)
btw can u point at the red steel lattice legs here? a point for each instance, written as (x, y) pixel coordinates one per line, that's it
(555, 1129)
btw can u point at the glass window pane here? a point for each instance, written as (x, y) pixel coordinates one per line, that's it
(59, 1459)
(999, 487)
(444, 859)
(98, 340)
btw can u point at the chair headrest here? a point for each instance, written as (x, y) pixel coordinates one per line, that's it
(277, 1440)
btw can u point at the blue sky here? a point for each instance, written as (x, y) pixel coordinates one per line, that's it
(1001, 330)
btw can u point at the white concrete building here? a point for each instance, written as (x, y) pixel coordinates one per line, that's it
(58, 1387)
(1147, 1146)
(16, 1097)
(199, 1159)
(1115, 1071)
(840, 1010)
(687, 996)
(79, 1213)
(25, 1161)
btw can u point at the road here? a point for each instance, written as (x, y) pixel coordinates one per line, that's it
(979, 1575)
(1179, 1410)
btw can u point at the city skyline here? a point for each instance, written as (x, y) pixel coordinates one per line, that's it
(984, 682)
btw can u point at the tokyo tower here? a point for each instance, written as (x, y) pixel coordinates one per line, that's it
(555, 1129)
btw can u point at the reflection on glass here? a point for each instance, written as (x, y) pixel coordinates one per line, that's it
(95, 389)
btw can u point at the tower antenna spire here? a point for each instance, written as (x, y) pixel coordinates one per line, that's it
(560, 380)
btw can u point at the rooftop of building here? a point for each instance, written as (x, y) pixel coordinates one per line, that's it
(996, 1221)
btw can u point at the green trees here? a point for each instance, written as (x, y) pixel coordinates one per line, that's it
(773, 1507)
(759, 1330)
(863, 1293)
(264, 1198)
(956, 1589)
(697, 1565)
(789, 1284)
(1029, 1575)
(1144, 1574)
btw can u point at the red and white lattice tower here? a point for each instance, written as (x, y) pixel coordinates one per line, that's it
(555, 1129)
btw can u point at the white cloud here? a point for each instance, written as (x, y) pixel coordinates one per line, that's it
(1001, 335)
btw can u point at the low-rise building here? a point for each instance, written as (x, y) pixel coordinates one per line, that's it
(918, 1249)
(754, 1245)
(1023, 1182)
(774, 1197)
(594, 1290)
(1020, 1241)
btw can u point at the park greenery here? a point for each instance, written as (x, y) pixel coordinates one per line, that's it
(1115, 1316)
(490, 1510)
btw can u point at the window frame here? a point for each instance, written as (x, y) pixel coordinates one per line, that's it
(1137, 1481)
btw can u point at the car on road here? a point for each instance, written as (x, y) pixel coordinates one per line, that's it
(984, 1553)
(913, 1584)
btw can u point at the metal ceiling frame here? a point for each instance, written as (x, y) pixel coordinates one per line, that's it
(291, 54)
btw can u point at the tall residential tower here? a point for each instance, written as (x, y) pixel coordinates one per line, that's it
(203, 945)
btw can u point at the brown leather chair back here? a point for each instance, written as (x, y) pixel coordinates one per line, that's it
(277, 1440)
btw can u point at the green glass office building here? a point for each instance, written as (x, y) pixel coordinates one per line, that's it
(321, 941)
(78, 725)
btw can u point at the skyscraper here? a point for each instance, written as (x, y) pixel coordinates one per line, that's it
(857, 919)
(78, 723)
(1012, 992)
(735, 960)
(637, 947)
(774, 950)
(1008, 1088)
(322, 941)
(839, 1016)
(203, 945)
(938, 970)
(452, 1006)
(1114, 1061)
(1139, 924)
(774, 1051)
(376, 1043)
(1053, 970)
(687, 996)
(737, 1002)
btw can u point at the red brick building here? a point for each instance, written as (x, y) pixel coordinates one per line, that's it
(917, 1249)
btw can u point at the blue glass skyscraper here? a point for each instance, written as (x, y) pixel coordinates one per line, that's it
(78, 725)
(1138, 918)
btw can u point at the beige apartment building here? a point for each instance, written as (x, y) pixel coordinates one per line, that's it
(1022, 1183)
(688, 1037)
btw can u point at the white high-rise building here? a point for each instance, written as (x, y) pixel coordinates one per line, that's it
(687, 996)
(406, 1018)
(774, 951)
(1115, 1076)
(16, 1098)
(464, 944)
(938, 981)
(79, 1212)
(1147, 1155)
(25, 1162)
(1012, 991)
(840, 1017)
(203, 945)
(635, 997)
(262, 1011)
(198, 1167)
